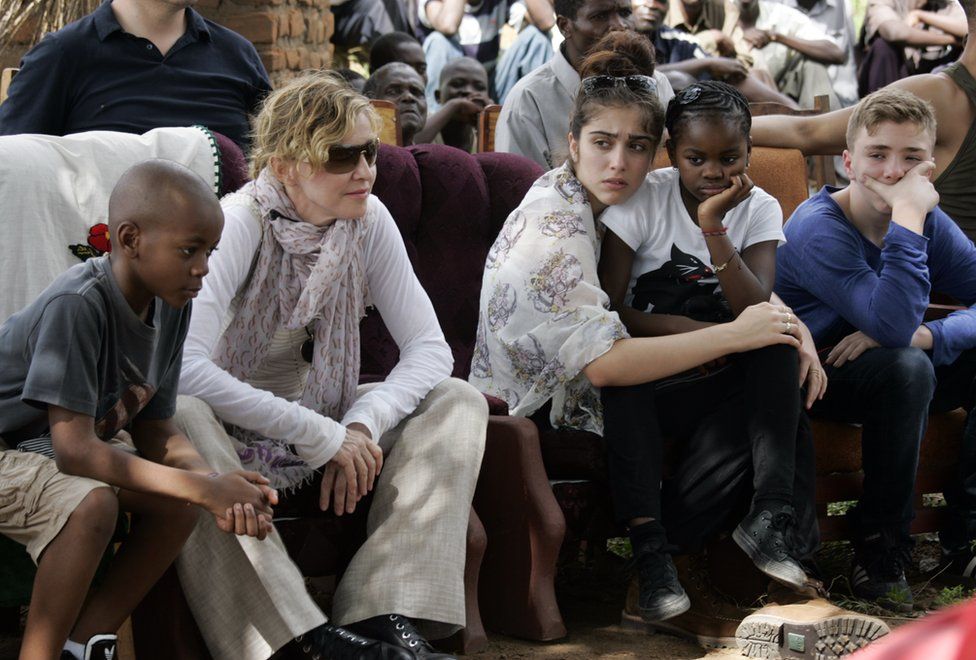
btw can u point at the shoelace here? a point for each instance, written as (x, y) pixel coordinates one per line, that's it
(409, 634)
(784, 522)
(654, 568)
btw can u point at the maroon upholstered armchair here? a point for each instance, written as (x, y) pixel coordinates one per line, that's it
(449, 206)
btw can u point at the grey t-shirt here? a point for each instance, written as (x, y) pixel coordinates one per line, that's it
(80, 346)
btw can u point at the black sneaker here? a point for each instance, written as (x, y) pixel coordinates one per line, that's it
(766, 538)
(397, 629)
(878, 573)
(660, 594)
(329, 642)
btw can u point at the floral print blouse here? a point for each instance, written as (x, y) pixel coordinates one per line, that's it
(543, 316)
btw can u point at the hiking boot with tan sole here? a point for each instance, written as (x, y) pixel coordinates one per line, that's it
(814, 630)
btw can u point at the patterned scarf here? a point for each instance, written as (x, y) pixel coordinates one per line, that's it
(303, 276)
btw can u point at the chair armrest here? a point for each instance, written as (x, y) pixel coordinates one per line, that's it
(937, 311)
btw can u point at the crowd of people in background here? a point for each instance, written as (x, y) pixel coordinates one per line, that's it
(631, 303)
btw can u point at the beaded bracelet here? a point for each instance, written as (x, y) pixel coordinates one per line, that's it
(716, 232)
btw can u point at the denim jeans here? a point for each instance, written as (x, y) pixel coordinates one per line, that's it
(890, 392)
(743, 438)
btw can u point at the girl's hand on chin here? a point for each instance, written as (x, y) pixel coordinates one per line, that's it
(712, 211)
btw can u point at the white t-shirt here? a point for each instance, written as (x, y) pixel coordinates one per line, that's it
(670, 255)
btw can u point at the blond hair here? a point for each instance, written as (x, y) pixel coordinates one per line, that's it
(894, 105)
(302, 119)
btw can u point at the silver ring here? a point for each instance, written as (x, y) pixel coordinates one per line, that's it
(789, 326)
(789, 317)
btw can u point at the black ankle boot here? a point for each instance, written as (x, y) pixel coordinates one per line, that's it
(329, 642)
(397, 629)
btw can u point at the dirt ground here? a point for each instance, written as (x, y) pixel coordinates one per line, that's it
(591, 595)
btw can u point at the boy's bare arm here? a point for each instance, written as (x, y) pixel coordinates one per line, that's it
(78, 451)
(160, 441)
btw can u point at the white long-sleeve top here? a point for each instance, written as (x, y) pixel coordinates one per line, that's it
(425, 358)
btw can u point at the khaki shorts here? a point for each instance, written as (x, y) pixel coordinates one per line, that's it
(36, 499)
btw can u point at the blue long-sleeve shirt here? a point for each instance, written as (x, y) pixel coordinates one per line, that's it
(838, 281)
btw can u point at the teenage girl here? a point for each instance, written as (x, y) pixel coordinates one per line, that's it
(694, 247)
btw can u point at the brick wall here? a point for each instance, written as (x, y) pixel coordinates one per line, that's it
(290, 35)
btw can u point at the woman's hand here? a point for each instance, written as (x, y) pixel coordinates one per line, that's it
(352, 471)
(241, 502)
(764, 324)
(850, 348)
(712, 211)
(811, 371)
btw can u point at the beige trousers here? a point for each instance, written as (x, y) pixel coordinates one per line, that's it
(249, 599)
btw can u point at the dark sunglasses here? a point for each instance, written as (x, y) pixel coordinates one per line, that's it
(343, 158)
(635, 83)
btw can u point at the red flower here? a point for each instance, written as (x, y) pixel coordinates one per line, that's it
(98, 237)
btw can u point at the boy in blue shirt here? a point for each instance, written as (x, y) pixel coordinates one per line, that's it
(94, 359)
(858, 268)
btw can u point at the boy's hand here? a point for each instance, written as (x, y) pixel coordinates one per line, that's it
(241, 501)
(910, 198)
(351, 473)
(713, 210)
(727, 69)
(467, 108)
(850, 348)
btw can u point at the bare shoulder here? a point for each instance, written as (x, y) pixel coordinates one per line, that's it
(953, 111)
(933, 87)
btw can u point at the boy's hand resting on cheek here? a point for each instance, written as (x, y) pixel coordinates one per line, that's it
(712, 211)
(910, 198)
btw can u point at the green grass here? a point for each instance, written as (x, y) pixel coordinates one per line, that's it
(620, 546)
(952, 595)
(840, 508)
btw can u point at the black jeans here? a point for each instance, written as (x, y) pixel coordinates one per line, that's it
(890, 391)
(741, 432)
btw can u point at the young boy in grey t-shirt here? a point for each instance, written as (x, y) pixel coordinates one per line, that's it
(94, 360)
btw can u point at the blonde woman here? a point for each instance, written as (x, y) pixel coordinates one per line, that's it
(272, 357)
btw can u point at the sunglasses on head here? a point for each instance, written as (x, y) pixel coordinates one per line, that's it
(343, 158)
(634, 83)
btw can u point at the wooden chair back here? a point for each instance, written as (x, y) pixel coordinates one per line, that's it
(5, 78)
(390, 131)
(486, 127)
(821, 167)
(780, 172)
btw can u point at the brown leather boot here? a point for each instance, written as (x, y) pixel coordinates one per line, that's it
(815, 629)
(712, 619)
